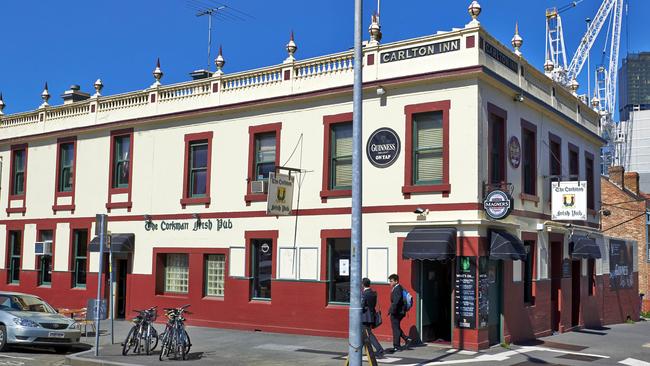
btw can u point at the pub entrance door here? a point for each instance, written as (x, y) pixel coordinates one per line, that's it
(495, 297)
(436, 279)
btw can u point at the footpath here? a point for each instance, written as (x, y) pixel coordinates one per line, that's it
(622, 344)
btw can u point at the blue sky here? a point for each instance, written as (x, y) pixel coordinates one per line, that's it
(78, 41)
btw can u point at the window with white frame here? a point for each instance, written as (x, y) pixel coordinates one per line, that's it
(215, 268)
(176, 273)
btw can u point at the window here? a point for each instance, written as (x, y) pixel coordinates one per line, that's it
(121, 161)
(338, 270)
(574, 163)
(215, 269)
(80, 254)
(591, 189)
(176, 273)
(15, 244)
(264, 155)
(66, 166)
(529, 154)
(426, 167)
(529, 246)
(496, 145)
(591, 273)
(44, 262)
(198, 169)
(341, 156)
(19, 161)
(555, 156)
(262, 268)
(647, 234)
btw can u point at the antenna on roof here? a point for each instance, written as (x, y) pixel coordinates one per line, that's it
(211, 8)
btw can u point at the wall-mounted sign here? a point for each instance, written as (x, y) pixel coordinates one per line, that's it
(498, 204)
(216, 224)
(514, 152)
(383, 147)
(344, 267)
(280, 196)
(420, 51)
(465, 294)
(620, 265)
(494, 52)
(569, 200)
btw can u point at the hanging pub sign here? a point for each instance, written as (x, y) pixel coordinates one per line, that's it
(383, 147)
(514, 152)
(498, 204)
(280, 196)
(569, 200)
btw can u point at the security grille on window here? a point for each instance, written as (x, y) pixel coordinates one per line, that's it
(121, 161)
(341, 156)
(427, 148)
(264, 155)
(176, 273)
(66, 156)
(215, 265)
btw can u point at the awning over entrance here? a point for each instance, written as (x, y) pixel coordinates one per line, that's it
(121, 243)
(437, 243)
(584, 247)
(506, 246)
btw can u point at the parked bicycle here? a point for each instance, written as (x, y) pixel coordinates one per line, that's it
(142, 336)
(175, 340)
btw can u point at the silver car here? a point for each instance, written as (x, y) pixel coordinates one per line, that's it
(28, 320)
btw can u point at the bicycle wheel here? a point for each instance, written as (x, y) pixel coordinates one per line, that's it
(164, 346)
(146, 339)
(154, 338)
(128, 342)
(136, 339)
(187, 344)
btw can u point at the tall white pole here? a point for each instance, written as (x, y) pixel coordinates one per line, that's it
(101, 230)
(355, 344)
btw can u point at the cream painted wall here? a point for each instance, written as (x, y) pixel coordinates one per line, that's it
(3, 246)
(62, 247)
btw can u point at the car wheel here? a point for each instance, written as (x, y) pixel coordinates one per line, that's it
(62, 349)
(3, 338)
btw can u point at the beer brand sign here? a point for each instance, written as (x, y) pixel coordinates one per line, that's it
(569, 200)
(383, 147)
(420, 51)
(498, 204)
(280, 196)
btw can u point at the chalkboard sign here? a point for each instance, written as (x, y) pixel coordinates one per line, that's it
(566, 268)
(620, 265)
(483, 288)
(465, 298)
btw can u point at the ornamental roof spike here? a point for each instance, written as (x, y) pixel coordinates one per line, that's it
(157, 74)
(291, 50)
(517, 41)
(2, 104)
(219, 62)
(474, 9)
(98, 88)
(375, 30)
(45, 95)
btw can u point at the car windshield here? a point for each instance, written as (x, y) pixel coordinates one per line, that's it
(24, 303)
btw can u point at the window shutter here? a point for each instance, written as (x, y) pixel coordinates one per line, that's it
(429, 146)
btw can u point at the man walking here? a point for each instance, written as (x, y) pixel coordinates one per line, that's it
(397, 312)
(369, 314)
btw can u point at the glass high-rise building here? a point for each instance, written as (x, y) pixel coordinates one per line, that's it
(634, 84)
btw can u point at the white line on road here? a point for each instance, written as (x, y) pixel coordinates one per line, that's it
(20, 358)
(634, 362)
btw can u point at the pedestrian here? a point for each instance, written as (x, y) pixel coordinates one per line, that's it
(369, 315)
(397, 312)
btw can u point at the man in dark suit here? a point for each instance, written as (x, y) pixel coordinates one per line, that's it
(369, 314)
(397, 312)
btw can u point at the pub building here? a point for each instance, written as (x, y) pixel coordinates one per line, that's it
(231, 192)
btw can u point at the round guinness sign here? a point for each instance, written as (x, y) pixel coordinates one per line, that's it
(383, 147)
(498, 204)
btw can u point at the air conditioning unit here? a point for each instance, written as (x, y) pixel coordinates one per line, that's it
(43, 247)
(259, 186)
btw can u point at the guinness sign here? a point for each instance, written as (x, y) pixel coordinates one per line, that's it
(383, 147)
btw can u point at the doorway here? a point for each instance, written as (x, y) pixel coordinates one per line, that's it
(557, 253)
(575, 292)
(436, 297)
(495, 296)
(121, 271)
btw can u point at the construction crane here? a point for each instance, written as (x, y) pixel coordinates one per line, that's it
(604, 99)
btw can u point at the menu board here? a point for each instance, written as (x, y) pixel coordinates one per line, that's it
(620, 265)
(483, 287)
(566, 268)
(465, 298)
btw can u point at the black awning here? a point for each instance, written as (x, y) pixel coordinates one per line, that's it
(584, 247)
(506, 246)
(430, 243)
(120, 243)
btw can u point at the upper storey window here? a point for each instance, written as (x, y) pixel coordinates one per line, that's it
(18, 172)
(198, 168)
(121, 161)
(264, 155)
(341, 156)
(427, 148)
(66, 163)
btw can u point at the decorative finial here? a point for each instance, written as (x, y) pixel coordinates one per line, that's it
(2, 105)
(574, 85)
(291, 49)
(98, 88)
(548, 66)
(157, 74)
(375, 31)
(45, 95)
(594, 103)
(474, 10)
(517, 41)
(219, 62)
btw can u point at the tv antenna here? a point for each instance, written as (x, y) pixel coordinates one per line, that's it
(213, 9)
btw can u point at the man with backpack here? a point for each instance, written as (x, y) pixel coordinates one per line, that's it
(397, 311)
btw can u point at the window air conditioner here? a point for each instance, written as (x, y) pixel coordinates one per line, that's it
(259, 186)
(43, 247)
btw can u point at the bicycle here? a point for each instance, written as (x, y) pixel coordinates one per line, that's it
(175, 340)
(142, 334)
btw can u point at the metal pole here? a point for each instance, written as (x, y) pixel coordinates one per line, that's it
(112, 288)
(209, 37)
(588, 20)
(355, 345)
(101, 221)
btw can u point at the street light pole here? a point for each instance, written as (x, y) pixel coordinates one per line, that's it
(355, 345)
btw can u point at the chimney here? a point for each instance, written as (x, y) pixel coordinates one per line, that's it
(616, 175)
(631, 180)
(74, 94)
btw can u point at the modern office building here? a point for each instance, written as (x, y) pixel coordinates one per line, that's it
(634, 84)
(462, 138)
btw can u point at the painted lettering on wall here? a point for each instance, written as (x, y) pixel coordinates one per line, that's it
(208, 225)
(420, 51)
(501, 57)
